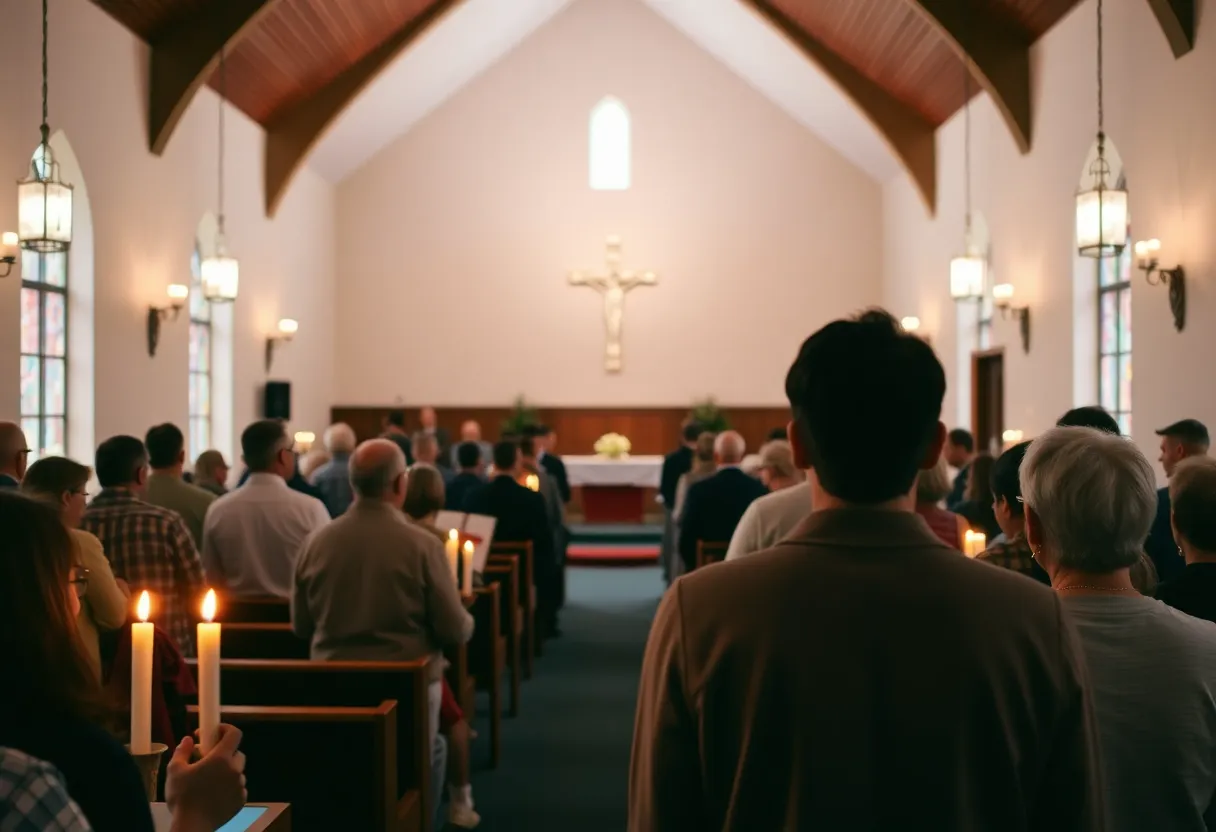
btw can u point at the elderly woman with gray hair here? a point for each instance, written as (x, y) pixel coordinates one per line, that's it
(1090, 499)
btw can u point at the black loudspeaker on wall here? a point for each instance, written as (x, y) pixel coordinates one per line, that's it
(276, 401)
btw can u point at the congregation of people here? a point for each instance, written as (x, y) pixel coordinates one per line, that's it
(845, 665)
(346, 535)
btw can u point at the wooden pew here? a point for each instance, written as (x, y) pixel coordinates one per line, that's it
(349, 684)
(522, 552)
(511, 620)
(487, 654)
(253, 609)
(711, 551)
(337, 767)
(261, 641)
(459, 676)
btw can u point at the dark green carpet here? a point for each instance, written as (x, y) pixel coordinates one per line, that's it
(565, 758)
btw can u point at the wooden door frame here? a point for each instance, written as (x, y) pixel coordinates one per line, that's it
(976, 357)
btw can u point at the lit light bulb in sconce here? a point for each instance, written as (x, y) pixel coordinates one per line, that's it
(1002, 293)
(1011, 437)
(1147, 251)
(910, 324)
(288, 327)
(304, 440)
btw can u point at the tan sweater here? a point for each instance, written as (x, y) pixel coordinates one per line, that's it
(104, 606)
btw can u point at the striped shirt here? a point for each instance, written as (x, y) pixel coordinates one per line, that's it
(151, 549)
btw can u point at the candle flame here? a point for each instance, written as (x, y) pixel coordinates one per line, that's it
(453, 534)
(209, 605)
(144, 608)
(468, 547)
(533, 482)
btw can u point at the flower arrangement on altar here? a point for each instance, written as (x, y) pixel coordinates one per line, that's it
(613, 446)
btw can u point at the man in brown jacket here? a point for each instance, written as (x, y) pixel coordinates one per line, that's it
(861, 675)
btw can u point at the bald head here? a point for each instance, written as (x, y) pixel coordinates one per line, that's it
(377, 471)
(14, 453)
(729, 448)
(470, 431)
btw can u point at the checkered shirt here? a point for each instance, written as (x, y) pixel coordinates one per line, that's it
(1013, 554)
(151, 549)
(33, 797)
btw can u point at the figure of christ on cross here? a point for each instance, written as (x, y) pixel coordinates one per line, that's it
(613, 286)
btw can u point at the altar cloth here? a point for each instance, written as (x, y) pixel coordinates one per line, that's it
(632, 471)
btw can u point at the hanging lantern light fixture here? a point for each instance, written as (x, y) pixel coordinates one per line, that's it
(1101, 210)
(220, 274)
(969, 270)
(44, 202)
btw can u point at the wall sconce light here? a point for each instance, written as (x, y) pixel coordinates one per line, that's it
(1002, 296)
(1010, 438)
(1175, 278)
(158, 314)
(910, 324)
(8, 252)
(288, 327)
(304, 441)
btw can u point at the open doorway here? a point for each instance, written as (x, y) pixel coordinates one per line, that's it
(988, 399)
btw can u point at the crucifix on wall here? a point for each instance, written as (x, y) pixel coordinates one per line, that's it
(613, 286)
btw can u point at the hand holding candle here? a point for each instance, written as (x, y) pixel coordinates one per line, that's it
(452, 549)
(208, 676)
(142, 637)
(974, 543)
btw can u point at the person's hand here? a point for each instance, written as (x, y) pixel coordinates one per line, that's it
(206, 794)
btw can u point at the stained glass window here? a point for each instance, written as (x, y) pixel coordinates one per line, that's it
(44, 352)
(200, 363)
(610, 146)
(1115, 337)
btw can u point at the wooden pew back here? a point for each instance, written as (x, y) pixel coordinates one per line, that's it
(347, 684)
(337, 767)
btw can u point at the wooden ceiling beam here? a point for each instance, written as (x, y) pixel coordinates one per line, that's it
(292, 134)
(1000, 57)
(184, 57)
(909, 134)
(1177, 19)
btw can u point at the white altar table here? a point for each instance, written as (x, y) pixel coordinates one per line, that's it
(613, 489)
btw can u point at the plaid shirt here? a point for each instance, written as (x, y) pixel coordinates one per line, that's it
(1013, 554)
(33, 797)
(151, 549)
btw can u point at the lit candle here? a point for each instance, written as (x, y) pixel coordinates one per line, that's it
(974, 543)
(466, 581)
(452, 547)
(533, 482)
(8, 245)
(142, 635)
(208, 675)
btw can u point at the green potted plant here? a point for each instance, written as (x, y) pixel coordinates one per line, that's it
(522, 415)
(709, 416)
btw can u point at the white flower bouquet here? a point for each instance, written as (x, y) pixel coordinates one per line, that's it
(613, 446)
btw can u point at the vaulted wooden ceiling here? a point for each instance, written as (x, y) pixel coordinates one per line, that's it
(293, 65)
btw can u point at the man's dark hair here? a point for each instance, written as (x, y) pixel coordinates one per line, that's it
(866, 377)
(527, 445)
(261, 443)
(1190, 432)
(119, 460)
(1004, 478)
(505, 455)
(777, 435)
(468, 455)
(691, 430)
(1090, 416)
(963, 438)
(396, 418)
(165, 444)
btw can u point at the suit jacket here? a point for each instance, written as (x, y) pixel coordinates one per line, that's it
(520, 513)
(713, 508)
(1160, 546)
(557, 469)
(959, 488)
(555, 508)
(862, 675)
(458, 490)
(9, 482)
(675, 465)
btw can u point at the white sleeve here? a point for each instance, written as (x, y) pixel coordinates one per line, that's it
(746, 538)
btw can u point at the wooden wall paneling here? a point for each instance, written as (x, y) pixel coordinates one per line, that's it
(650, 430)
